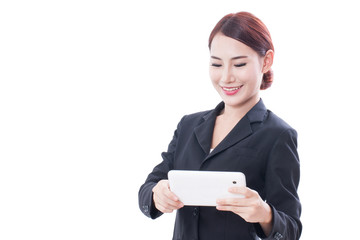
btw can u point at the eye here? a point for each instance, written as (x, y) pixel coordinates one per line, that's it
(215, 65)
(240, 65)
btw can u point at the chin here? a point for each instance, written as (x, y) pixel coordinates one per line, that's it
(233, 103)
(240, 101)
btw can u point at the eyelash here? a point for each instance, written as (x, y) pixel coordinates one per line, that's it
(240, 65)
(236, 65)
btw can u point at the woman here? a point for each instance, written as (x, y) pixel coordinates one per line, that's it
(240, 134)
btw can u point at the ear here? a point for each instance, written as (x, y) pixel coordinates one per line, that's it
(268, 61)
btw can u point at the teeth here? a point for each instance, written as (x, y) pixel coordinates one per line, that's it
(231, 89)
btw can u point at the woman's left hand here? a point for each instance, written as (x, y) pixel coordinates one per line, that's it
(251, 208)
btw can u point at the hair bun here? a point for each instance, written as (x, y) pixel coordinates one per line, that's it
(267, 79)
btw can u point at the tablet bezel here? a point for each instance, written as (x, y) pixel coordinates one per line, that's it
(203, 188)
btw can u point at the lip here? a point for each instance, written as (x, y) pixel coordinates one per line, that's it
(231, 90)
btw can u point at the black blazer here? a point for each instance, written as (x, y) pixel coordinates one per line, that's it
(262, 146)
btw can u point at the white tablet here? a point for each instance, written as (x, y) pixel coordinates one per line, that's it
(203, 188)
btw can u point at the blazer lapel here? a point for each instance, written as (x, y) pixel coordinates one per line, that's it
(241, 130)
(205, 130)
(238, 133)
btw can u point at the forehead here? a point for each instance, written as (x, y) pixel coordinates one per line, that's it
(223, 47)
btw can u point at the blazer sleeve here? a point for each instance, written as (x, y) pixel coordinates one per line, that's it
(281, 183)
(146, 203)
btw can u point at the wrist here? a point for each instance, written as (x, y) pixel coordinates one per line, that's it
(268, 214)
(267, 223)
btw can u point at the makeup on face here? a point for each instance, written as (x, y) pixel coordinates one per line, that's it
(231, 90)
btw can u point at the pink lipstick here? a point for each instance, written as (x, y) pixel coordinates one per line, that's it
(231, 90)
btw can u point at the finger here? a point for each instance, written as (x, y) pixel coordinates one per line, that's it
(175, 205)
(165, 188)
(162, 189)
(173, 199)
(165, 197)
(245, 191)
(235, 209)
(169, 203)
(162, 206)
(232, 202)
(244, 212)
(163, 209)
(169, 194)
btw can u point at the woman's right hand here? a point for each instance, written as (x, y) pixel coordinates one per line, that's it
(165, 200)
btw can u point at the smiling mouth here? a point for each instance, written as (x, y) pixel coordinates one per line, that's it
(231, 90)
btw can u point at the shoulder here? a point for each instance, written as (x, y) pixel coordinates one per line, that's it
(277, 126)
(195, 118)
(199, 117)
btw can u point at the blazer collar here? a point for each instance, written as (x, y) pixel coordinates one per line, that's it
(242, 129)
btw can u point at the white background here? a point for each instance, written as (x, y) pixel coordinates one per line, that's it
(91, 92)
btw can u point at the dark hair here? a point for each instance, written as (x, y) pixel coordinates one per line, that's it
(251, 31)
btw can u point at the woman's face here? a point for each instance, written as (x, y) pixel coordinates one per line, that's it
(236, 71)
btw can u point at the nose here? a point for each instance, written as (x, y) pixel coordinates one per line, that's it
(227, 76)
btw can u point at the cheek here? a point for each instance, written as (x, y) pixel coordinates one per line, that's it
(243, 76)
(215, 75)
(248, 76)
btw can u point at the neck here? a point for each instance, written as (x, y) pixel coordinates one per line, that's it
(237, 112)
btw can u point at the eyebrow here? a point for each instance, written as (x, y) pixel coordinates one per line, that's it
(237, 57)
